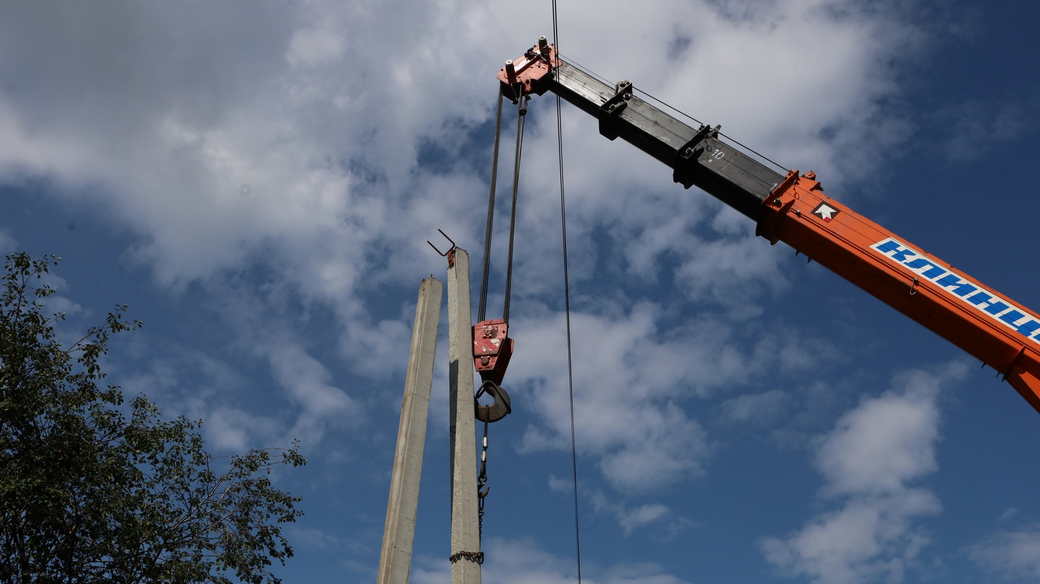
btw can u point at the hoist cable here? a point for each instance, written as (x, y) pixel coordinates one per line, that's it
(482, 310)
(567, 305)
(724, 135)
(521, 111)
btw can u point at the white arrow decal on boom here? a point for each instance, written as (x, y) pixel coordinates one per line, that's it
(825, 212)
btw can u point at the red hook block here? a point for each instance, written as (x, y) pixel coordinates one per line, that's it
(492, 349)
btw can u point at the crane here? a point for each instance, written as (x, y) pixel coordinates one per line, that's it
(792, 207)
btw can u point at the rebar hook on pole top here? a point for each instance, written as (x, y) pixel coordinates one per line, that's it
(449, 254)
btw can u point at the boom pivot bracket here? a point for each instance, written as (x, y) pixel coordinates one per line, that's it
(609, 111)
(686, 167)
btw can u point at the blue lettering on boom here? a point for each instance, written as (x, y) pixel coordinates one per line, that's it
(955, 284)
(899, 253)
(982, 300)
(932, 272)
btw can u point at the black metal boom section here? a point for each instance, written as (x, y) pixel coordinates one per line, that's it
(697, 156)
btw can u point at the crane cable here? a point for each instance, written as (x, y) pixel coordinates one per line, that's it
(489, 221)
(567, 303)
(482, 488)
(521, 115)
(482, 310)
(781, 167)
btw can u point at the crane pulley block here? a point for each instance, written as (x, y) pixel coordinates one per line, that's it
(530, 72)
(492, 349)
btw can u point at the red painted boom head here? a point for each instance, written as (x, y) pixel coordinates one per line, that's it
(529, 72)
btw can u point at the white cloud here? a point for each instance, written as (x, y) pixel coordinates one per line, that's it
(306, 379)
(972, 128)
(7, 242)
(56, 303)
(869, 461)
(238, 134)
(512, 561)
(232, 429)
(756, 407)
(1010, 554)
(560, 485)
(1009, 513)
(641, 516)
(624, 408)
(288, 136)
(635, 369)
(185, 381)
(866, 540)
(884, 443)
(732, 273)
(315, 46)
(632, 517)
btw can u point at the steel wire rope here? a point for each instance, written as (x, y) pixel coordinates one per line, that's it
(855, 216)
(482, 310)
(567, 304)
(587, 69)
(521, 114)
(723, 134)
(664, 103)
(521, 111)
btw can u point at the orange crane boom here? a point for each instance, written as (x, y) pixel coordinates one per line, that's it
(792, 207)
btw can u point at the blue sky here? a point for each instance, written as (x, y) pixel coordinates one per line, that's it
(257, 181)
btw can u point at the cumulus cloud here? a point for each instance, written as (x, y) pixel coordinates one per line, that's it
(235, 430)
(56, 303)
(273, 131)
(625, 411)
(971, 128)
(188, 382)
(757, 408)
(522, 561)
(1012, 554)
(322, 141)
(7, 242)
(884, 443)
(560, 485)
(306, 379)
(630, 518)
(635, 370)
(870, 462)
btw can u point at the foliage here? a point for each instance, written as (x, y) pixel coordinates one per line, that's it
(96, 490)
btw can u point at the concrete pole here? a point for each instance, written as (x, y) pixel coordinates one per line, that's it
(399, 530)
(465, 534)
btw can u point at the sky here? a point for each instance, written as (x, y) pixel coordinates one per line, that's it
(257, 181)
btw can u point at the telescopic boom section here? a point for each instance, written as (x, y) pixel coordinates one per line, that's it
(792, 207)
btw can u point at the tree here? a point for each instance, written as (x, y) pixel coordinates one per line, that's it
(93, 489)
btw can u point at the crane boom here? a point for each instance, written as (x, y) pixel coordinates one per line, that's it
(792, 207)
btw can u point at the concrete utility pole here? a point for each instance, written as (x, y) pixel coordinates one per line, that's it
(399, 530)
(465, 532)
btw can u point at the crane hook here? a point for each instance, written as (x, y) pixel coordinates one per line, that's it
(497, 410)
